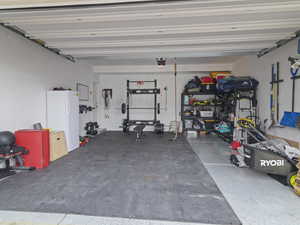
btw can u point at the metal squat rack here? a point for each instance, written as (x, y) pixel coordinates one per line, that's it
(141, 124)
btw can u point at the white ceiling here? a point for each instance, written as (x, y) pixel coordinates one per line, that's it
(199, 28)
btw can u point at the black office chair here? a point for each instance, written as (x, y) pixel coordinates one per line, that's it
(10, 154)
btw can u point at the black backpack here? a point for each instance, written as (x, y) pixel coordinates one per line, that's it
(194, 83)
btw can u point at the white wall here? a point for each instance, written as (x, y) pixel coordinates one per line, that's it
(260, 68)
(118, 83)
(27, 71)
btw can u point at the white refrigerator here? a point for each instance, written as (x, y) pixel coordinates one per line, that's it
(63, 115)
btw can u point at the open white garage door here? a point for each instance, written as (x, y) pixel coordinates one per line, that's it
(9, 4)
(166, 28)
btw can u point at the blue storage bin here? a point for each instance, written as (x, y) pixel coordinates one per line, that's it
(290, 119)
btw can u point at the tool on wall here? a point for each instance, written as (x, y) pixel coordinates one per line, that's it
(107, 96)
(85, 109)
(166, 98)
(275, 93)
(272, 97)
(275, 85)
(292, 119)
(295, 76)
(295, 66)
(295, 62)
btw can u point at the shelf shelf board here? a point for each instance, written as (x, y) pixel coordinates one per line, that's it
(187, 105)
(195, 129)
(197, 117)
(200, 93)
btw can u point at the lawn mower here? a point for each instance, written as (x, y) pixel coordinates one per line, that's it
(271, 156)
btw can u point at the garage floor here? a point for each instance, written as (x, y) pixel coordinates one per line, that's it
(114, 176)
(256, 198)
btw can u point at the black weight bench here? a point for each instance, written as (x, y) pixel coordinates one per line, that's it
(139, 129)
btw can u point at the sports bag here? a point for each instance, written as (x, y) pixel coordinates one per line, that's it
(194, 83)
(232, 83)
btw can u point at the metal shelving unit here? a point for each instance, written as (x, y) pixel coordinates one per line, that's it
(184, 106)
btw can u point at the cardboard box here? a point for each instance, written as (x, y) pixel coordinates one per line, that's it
(58, 145)
(292, 143)
(202, 133)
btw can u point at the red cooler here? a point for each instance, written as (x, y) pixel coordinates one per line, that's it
(37, 143)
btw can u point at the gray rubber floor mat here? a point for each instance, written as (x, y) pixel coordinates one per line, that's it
(116, 176)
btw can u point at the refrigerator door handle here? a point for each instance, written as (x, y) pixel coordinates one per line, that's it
(67, 106)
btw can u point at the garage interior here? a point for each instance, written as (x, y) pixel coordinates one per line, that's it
(149, 112)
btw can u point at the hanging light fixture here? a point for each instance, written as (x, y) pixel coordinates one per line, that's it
(161, 61)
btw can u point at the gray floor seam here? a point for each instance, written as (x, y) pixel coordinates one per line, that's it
(62, 220)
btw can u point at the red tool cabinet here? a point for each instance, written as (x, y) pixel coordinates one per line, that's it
(37, 143)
